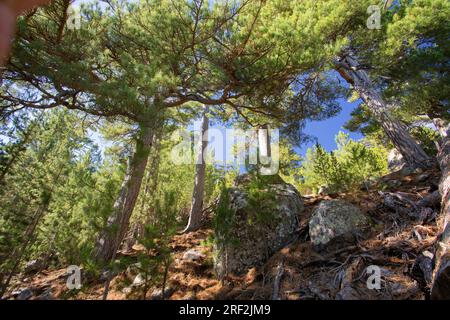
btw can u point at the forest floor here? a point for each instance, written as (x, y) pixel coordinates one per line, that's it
(298, 271)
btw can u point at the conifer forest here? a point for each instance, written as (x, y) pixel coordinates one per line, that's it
(224, 150)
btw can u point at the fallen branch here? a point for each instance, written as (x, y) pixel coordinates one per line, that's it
(401, 203)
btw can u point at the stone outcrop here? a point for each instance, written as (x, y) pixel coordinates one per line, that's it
(261, 219)
(333, 218)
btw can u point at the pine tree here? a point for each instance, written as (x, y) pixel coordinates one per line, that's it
(196, 213)
(35, 188)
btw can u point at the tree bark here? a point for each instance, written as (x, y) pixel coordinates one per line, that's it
(150, 184)
(349, 68)
(195, 215)
(441, 277)
(265, 151)
(110, 238)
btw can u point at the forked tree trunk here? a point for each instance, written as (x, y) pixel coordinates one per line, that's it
(441, 276)
(110, 238)
(412, 152)
(195, 215)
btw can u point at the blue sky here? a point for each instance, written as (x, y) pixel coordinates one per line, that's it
(325, 130)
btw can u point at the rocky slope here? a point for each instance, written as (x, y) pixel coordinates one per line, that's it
(396, 238)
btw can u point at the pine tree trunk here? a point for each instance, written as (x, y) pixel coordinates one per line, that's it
(412, 152)
(152, 184)
(149, 184)
(111, 237)
(441, 277)
(267, 164)
(195, 215)
(265, 151)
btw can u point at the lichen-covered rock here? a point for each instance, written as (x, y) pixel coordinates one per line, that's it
(261, 219)
(333, 218)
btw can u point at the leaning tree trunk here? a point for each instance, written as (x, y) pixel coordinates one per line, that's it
(110, 238)
(150, 184)
(195, 215)
(441, 277)
(349, 68)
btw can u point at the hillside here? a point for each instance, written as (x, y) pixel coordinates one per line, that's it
(299, 271)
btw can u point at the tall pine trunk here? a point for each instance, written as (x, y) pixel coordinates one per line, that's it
(265, 151)
(441, 276)
(195, 215)
(150, 184)
(412, 152)
(111, 237)
(266, 165)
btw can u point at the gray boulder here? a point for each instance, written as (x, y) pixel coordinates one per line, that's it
(333, 218)
(258, 222)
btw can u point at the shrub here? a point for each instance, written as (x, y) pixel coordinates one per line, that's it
(343, 169)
